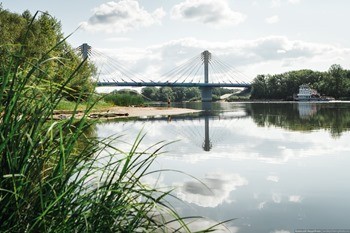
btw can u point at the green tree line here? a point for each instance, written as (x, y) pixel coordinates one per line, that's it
(179, 94)
(335, 82)
(37, 35)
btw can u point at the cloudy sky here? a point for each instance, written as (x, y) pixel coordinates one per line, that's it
(254, 37)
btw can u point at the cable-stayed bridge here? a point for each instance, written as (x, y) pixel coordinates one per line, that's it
(205, 71)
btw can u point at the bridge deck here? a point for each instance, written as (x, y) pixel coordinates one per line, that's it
(168, 84)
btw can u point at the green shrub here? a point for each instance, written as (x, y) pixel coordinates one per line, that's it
(124, 99)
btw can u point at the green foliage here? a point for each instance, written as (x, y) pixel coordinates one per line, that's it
(175, 94)
(100, 105)
(165, 93)
(43, 34)
(150, 93)
(192, 93)
(180, 94)
(50, 182)
(233, 98)
(219, 91)
(124, 98)
(335, 82)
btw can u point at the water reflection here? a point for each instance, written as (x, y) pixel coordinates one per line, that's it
(276, 167)
(306, 109)
(212, 190)
(333, 117)
(233, 130)
(207, 145)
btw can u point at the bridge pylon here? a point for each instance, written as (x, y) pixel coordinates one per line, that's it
(85, 49)
(206, 92)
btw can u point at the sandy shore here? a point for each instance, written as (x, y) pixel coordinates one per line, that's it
(123, 112)
(152, 111)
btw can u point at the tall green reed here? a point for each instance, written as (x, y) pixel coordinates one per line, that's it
(51, 183)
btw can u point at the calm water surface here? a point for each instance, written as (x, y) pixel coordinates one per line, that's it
(276, 167)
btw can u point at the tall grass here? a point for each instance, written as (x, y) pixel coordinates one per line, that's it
(49, 182)
(124, 99)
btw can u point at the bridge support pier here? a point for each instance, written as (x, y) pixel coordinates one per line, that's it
(207, 145)
(206, 91)
(207, 95)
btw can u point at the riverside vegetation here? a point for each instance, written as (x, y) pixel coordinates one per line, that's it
(49, 180)
(335, 82)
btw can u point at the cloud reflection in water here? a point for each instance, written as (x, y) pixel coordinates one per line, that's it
(213, 191)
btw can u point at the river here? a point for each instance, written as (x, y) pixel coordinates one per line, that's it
(275, 167)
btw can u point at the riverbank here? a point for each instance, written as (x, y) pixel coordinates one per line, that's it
(124, 112)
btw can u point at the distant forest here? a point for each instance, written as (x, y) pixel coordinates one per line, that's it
(178, 94)
(335, 82)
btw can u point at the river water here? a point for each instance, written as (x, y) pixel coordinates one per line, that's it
(275, 167)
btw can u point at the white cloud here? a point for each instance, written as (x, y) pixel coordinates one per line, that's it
(294, 1)
(121, 16)
(276, 198)
(295, 198)
(280, 231)
(275, 3)
(255, 3)
(213, 12)
(273, 178)
(273, 19)
(213, 191)
(118, 39)
(261, 205)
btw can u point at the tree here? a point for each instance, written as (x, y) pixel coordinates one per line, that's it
(192, 93)
(165, 93)
(36, 36)
(336, 81)
(150, 92)
(259, 87)
(179, 94)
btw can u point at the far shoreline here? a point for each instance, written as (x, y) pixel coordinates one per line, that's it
(122, 112)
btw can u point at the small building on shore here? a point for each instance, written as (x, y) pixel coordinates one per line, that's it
(306, 93)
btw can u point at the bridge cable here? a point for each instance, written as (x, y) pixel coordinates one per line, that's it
(180, 66)
(195, 74)
(224, 64)
(117, 66)
(182, 69)
(231, 69)
(117, 70)
(218, 74)
(190, 71)
(183, 72)
(231, 76)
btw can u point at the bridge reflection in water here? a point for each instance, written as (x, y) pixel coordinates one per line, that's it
(207, 145)
(204, 129)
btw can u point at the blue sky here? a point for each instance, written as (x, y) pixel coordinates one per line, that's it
(255, 37)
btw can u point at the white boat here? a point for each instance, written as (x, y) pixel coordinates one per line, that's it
(306, 93)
